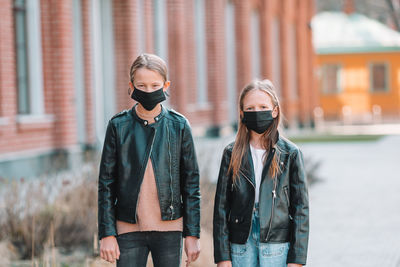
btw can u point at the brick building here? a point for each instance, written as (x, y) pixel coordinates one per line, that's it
(64, 67)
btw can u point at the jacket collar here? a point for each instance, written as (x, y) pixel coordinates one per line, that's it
(145, 122)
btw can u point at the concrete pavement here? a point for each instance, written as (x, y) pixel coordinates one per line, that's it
(355, 209)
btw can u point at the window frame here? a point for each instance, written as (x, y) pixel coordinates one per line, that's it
(34, 64)
(200, 35)
(27, 109)
(386, 89)
(339, 78)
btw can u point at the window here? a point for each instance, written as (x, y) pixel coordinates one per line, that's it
(293, 89)
(160, 29)
(141, 26)
(79, 71)
(378, 77)
(201, 54)
(28, 49)
(331, 78)
(103, 64)
(230, 42)
(21, 56)
(276, 54)
(255, 45)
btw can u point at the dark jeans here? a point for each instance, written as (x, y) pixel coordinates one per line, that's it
(165, 248)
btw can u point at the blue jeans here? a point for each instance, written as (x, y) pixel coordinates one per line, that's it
(255, 253)
(165, 248)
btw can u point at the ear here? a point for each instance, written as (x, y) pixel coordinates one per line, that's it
(166, 85)
(131, 86)
(241, 114)
(275, 112)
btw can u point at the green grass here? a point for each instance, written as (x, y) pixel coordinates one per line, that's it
(335, 138)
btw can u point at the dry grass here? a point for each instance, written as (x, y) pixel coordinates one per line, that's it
(69, 223)
(50, 212)
(54, 217)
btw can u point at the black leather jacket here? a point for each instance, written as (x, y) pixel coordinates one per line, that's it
(283, 204)
(129, 143)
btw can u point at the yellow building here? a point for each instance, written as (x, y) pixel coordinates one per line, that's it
(358, 67)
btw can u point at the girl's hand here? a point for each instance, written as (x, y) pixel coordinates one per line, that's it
(294, 265)
(109, 249)
(224, 264)
(192, 249)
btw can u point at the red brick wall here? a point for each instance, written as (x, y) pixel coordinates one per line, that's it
(190, 57)
(266, 15)
(126, 47)
(177, 54)
(148, 17)
(286, 10)
(16, 136)
(243, 43)
(58, 54)
(304, 84)
(215, 11)
(182, 54)
(311, 62)
(184, 92)
(8, 95)
(58, 82)
(7, 65)
(62, 64)
(87, 54)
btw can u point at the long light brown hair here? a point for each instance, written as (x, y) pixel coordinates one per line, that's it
(269, 137)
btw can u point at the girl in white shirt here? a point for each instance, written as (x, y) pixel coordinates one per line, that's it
(261, 202)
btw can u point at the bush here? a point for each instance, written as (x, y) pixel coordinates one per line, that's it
(57, 211)
(75, 218)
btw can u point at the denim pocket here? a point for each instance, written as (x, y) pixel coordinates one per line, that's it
(238, 249)
(130, 236)
(274, 250)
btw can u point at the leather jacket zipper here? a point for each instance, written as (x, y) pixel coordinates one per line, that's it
(288, 201)
(148, 158)
(252, 210)
(272, 208)
(170, 175)
(248, 179)
(270, 156)
(287, 196)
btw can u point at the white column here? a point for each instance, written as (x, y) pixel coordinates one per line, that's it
(230, 42)
(35, 66)
(79, 72)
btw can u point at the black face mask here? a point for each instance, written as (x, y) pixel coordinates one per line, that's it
(258, 121)
(148, 100)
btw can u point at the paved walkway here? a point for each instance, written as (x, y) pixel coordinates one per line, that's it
(355, 209)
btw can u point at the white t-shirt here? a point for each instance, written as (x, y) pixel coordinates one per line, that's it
(258, 163)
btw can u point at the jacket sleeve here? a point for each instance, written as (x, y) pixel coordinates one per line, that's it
(107, 181)
(221, 212)
(190, 187)
(299, 210)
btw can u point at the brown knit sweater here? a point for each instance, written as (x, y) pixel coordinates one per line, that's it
(148, 209)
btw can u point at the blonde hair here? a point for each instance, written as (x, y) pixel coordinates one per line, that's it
(243, 136)
(150, 62)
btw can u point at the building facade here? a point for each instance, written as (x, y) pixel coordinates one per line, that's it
(358, 61)
(64, 66)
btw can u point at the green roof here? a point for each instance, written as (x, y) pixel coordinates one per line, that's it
(340, 33)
